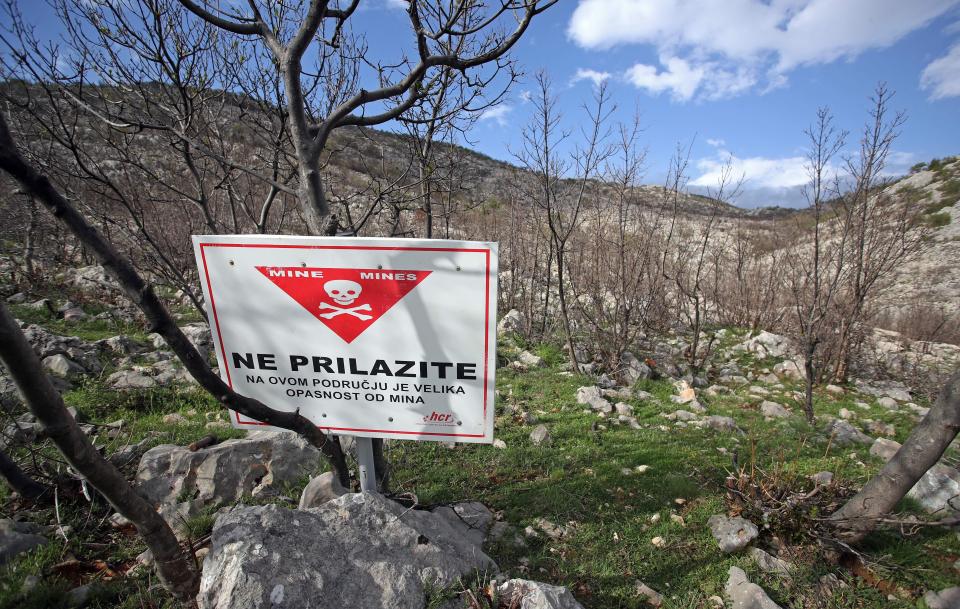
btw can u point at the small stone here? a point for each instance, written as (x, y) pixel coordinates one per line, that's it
(888, 403)
(624, 409)
(846, 414)
(540, 435)
(677, 519)
(201, 553)
(773, 410)
(655, 518)
(658, 542)
(732, 534)
(80, 596)
(530, 360)
(642, 469)
(648, 594)
(822, 478)
(769, 563)
(119, 521)
(63, 366)
(500, 444)
(173, 418)
(834, 389)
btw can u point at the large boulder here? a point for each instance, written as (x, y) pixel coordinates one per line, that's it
(471, 518)
(361, 550)
(767, 344)
(526, 594)
(632, 369)
(197, 333)
(180, 481)
(936, 487)
(18, 537)
(511, 323)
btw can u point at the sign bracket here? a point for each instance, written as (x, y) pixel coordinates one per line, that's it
(365, 464)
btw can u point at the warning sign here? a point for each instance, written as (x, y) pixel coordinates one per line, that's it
(390, 338)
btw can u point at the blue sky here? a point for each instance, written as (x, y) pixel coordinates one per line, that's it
(743, 78)
(739, 79)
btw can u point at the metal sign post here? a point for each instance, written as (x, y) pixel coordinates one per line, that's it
(368, 472)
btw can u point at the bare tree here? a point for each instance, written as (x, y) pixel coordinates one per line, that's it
(561, 200)
(287, 33)
(883, 234)
(819, 265)
(174, 565)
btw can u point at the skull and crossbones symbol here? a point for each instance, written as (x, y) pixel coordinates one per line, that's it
(344, 292)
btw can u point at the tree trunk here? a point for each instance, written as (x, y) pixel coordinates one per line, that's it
(926, 444)
(175, 567)
(19, 480)
(809, 376)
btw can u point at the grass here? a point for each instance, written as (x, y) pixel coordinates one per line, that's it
(576, 480)
(88, 329)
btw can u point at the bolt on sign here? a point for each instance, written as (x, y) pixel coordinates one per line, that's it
(380, 338)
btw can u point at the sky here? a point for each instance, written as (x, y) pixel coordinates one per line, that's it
(740, 80)
(733, 80)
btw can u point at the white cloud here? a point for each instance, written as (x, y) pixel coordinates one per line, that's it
(942, 76)
(679, 78)
(397, 4)
(758, 172)
(586, 74)
(497, 113)
(716, 143)
(738, 44)
(525, 95)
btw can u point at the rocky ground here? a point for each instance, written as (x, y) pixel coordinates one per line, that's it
(644, 486)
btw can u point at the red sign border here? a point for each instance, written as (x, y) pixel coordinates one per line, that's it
(486, 325)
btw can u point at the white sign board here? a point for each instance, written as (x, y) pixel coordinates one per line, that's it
(382, 338)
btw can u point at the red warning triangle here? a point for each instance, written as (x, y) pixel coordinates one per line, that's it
(348, 301)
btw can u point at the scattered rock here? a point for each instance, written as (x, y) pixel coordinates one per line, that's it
(767, 344)
(845, 414)
(658, 542)
(822, 478)
(18, 298)
(623, 409)
(648, 594)
(18, 537)
(632, 369)
(498, 443)
(681, 415)
(530, 360)
(936, 487)
(174, 418)
(732, 534)
(888, 403)
(685, 393)
(131, 379)
(320, 490)
(719, 423)
(773, 410)
(892, 389)
(769, 563)
(79, 597)
(845, 434)
(540, 435)
(63, 366)
(834, 389)
(591, 397)
(511, 323)
(945, 599)
(744, 594)
(360, 550)
(526, 594)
